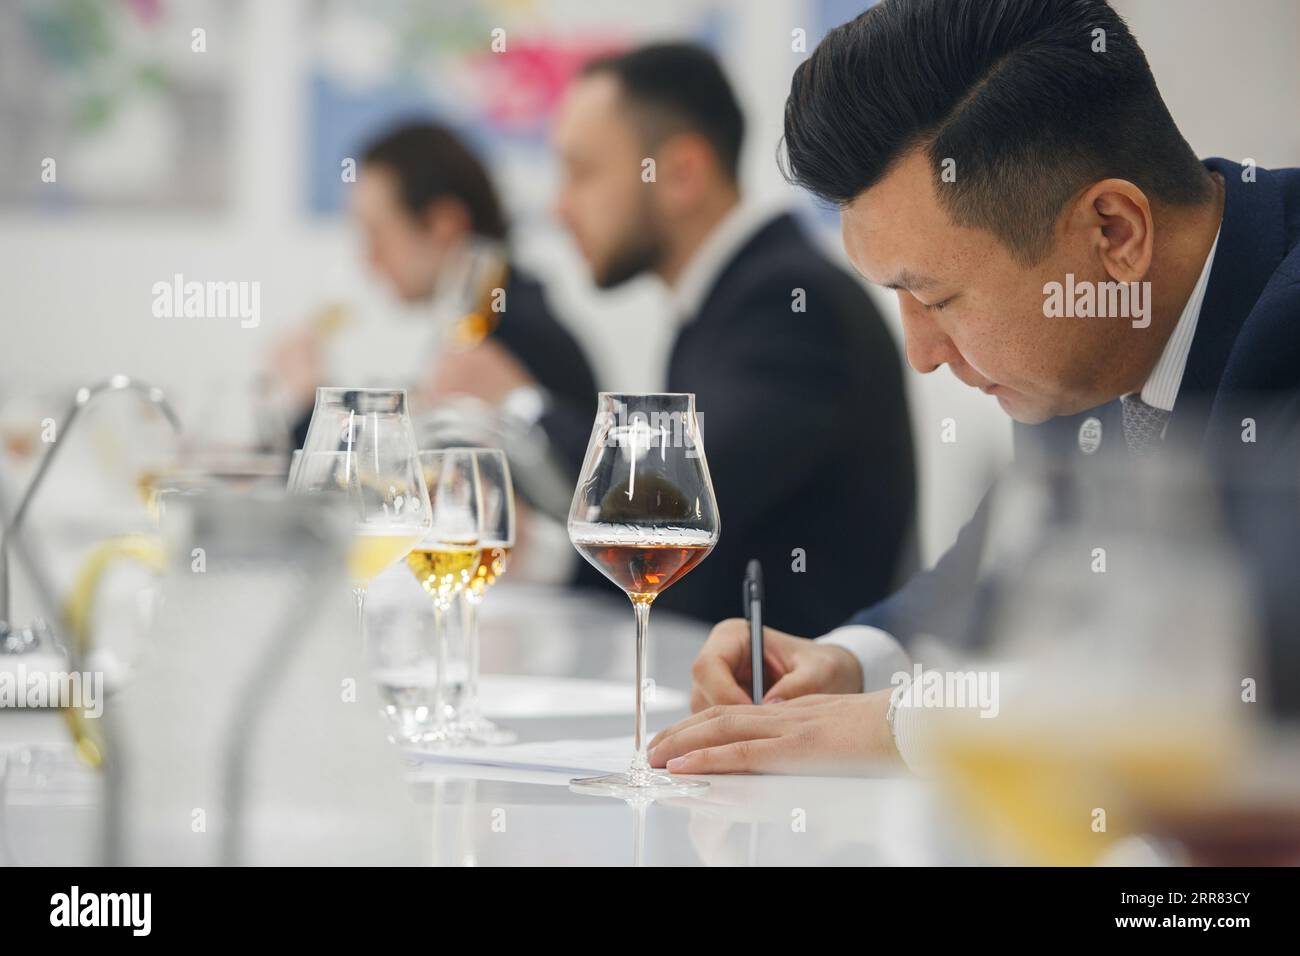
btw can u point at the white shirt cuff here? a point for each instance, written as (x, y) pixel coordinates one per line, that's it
(880, 656)
(910, 732)
(914, 724)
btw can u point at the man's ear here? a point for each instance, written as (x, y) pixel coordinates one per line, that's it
(686, 168)
(446, 220)
(1117, 216)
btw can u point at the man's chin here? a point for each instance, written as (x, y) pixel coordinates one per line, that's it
(1019, 409)
(605, 281)
(626, 263)
(618, 273)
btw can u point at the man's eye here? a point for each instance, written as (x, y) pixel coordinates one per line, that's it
(938, 306)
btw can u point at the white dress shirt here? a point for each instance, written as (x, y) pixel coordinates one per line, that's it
(881, 656)
(1161, 388)
(740, 224)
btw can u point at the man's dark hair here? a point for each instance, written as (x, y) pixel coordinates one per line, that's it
(1010, 90)
(680, 87)
(431, 163)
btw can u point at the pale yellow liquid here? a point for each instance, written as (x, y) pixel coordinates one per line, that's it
(493, 561)
(372, 553)
(442, 572)
(1032, 791)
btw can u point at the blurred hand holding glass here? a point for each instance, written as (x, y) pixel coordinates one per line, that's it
(643, 515)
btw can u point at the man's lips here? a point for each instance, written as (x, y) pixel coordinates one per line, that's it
(989, 388)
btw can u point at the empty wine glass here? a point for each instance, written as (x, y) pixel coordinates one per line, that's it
(447, 557)
(643, 515)
(497, 505)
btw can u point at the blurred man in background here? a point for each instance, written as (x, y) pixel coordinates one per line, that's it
(797, 380)
(427, 211)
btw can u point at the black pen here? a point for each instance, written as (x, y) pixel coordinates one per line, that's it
(752, 596)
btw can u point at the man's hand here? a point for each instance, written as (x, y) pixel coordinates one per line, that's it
(826, 734)
(793, 666)
(488, 371)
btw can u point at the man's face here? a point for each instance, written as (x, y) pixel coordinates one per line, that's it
(400, 248)
(602, 200)
(967, 303)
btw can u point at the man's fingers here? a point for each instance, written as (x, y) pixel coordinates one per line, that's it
(698, 701)
(797, 683)
(731, 726)
(716, 681)
(766, 755)
(709, 713)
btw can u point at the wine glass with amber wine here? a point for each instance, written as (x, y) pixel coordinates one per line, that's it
(447, 560)
(643, 515)
(497, 509)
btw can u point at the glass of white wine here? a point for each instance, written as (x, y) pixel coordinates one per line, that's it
(447, 558)
(360, 444)
(497, 504)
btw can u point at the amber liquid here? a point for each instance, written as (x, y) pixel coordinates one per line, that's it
(492, 563)
(442, 572)
(643, 570)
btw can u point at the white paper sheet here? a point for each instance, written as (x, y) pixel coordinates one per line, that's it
(556, 758)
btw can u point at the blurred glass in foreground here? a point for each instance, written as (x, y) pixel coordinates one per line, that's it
(1125, 644)
(248, 733)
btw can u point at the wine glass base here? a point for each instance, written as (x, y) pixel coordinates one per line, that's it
(409, 735)
(483, 731)
(641, 783)
(441, 737)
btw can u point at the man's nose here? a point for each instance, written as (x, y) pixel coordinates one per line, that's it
(926, 345)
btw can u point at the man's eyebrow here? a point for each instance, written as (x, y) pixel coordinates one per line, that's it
(911, 282)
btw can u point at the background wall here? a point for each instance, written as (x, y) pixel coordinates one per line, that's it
(77, 282)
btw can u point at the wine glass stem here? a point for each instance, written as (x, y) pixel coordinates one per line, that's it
(642, 608)
(469, 620)
(638, 833)
(359, 596)
(440, 650)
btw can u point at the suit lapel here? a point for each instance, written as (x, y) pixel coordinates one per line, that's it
(1252, 243)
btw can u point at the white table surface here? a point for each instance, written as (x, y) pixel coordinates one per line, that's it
(480, 816)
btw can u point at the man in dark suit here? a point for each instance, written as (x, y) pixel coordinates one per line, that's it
(1029, 164)
(421, 201)
(797, 379)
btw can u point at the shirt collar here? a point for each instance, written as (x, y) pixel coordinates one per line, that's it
(1161, 388)
(715, 253)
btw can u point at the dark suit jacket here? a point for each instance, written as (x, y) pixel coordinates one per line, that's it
(806, 432)
(1244, 363)
(531, 333)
